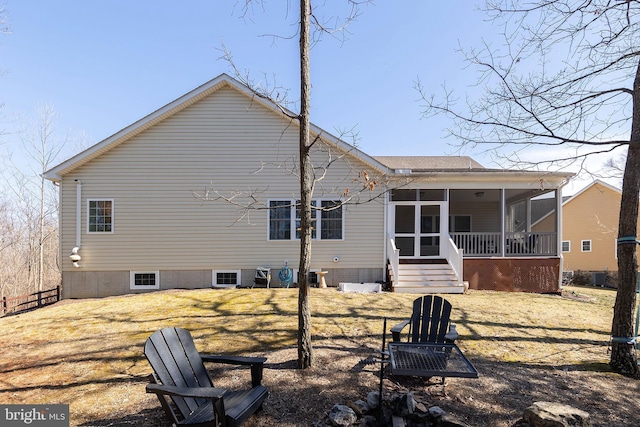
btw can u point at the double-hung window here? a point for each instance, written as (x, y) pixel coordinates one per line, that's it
(280, 219)
(100, 216)
(331, 220)
(327, 220)
(314, 219)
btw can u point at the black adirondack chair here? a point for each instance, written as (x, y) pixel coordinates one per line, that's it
(429, 322)
(185, 389)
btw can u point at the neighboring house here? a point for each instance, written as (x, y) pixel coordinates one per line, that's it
(133, 219)
(590, 228)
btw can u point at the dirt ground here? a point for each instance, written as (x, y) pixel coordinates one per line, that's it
(497, 398)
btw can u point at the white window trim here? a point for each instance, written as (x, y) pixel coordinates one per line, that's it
(582, 245)
(311, 270)
(214, 278)
(113, 221)
(318, 219)
(569, 243)
(132, 280)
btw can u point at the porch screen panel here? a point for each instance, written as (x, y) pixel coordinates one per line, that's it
(405, 219)
(403, 195)
(429, 246)
(406, 245)
(433, 195)
(430, 219)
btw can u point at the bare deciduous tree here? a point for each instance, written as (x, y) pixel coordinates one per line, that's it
(31, 209)
(567, 77)
(307, 173)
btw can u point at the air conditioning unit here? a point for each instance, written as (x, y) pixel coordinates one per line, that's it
(599, 279)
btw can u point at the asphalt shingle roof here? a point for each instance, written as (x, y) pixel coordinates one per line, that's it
(417, 163)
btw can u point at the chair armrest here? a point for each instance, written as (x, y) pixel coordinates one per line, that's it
(232, 360)
(395, 331)
(256, 363)
(203, 392)
(452, 335)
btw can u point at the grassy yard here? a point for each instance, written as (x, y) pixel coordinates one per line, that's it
(88, 353)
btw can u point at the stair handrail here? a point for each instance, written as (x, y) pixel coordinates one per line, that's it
(454, 256)
(393, 253)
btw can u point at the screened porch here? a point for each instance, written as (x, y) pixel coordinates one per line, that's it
(504, 222)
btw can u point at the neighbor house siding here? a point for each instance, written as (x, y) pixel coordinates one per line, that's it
(231, 145)
(592, 215)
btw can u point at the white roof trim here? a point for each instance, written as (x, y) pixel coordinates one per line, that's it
(596, 182)
(190, 98)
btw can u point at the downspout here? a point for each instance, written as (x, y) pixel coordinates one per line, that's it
(559, 234)
(385, 237)
(75, 257)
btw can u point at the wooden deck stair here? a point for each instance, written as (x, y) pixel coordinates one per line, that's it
(432, 278)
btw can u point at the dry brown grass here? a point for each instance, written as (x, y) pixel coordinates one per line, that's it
(88, 353)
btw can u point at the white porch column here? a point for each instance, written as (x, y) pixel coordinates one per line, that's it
(503, 221)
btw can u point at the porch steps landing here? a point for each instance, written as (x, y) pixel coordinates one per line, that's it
(428, 279)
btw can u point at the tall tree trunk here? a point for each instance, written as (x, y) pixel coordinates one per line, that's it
(41, 234)
(623, 357)
(305, 350)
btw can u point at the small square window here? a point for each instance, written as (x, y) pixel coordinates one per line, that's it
(566, 246)
(313, 276)
(586, 245)
(144, 280)
(226, 278)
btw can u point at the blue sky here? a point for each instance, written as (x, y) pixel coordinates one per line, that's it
(105, 64)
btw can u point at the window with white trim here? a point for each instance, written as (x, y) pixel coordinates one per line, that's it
(566, 246)
(586, 245)
(226, 278)
(100, 216)
(313, 276)
(327, 220)
(144, 280)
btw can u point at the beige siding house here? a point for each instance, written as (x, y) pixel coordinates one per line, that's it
(590, 228)
(202, 192)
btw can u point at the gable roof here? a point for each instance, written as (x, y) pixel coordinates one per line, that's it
(190, 98)
(418, 166)
(597, 182)
(568, 199)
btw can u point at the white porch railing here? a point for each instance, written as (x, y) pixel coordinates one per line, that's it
(393, 254)
(515, 244)
(478, 244)
(454, 255)
(524, 244)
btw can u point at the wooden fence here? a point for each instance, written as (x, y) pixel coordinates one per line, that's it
(30, 301)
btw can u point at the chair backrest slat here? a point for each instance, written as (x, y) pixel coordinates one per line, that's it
(176, 361)
(429, 319)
